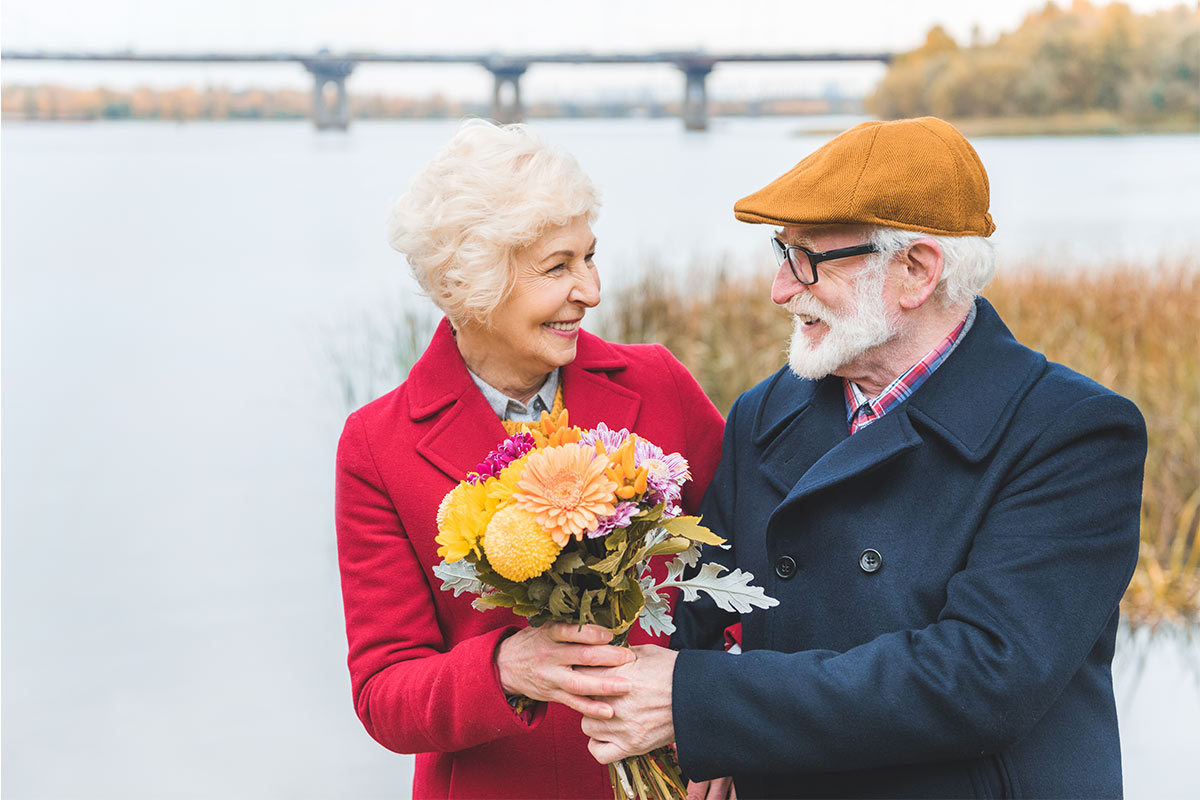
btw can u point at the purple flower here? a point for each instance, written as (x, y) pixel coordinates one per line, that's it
(601, 433)
(665, 473)
(505, 453)
(620, 518)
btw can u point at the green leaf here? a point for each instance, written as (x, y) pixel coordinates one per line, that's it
(538, 591)
(650, 514)
(609, 564)
(627, 605)
(493, 600)
(669, 547)
(562, 601)
(615, 541)
(692, 529)
(568, 561)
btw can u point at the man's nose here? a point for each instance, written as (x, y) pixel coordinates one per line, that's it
(785, 286)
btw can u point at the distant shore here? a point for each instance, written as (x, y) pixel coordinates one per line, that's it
(1099, 123)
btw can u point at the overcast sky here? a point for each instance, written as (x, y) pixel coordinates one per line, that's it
(512, 27)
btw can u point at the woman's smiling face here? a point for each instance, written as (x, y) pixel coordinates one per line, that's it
(535, 329)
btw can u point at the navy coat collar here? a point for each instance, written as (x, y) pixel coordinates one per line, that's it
(461, 428)
(968, 402)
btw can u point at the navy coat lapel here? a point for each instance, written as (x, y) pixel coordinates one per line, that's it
(967, 402)
(798, 422)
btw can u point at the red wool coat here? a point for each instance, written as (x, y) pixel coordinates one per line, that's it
(422, 661)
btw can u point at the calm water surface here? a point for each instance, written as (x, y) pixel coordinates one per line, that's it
(171, 297)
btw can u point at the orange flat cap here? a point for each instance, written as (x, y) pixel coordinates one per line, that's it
(915, 174)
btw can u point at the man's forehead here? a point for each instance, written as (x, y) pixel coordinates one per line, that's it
(810, 234)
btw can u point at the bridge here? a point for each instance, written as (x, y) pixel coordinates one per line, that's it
(330, 71)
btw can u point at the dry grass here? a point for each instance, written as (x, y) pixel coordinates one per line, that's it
(1135, 330)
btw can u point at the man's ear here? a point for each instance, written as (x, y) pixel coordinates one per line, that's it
(922, 263)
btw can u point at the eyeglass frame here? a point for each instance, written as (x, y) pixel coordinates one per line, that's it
(783, 253)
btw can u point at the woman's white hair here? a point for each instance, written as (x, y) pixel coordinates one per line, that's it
(968, 262)
(493, 190)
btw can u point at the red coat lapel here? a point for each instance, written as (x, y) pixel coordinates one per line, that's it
(590, 394)
(461, 428)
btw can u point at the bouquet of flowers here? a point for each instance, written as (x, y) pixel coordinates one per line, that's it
(559, 524)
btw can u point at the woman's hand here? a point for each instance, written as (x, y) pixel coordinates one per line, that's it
(538, 663)
(716, 789)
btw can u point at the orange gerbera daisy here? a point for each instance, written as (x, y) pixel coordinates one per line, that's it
(566, 489)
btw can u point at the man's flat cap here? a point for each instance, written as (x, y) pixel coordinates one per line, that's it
(914, 174)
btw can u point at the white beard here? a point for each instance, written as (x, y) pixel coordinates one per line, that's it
(867, 325)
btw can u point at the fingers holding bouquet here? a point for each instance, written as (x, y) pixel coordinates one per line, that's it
(539, 663)
(641, 719)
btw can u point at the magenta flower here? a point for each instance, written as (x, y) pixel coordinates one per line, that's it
(505, 453)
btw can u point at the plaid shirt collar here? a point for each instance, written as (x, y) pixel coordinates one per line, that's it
(861, 410)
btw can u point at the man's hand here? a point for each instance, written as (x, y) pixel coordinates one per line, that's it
(641, 718)
(539, 664)
(716, 789)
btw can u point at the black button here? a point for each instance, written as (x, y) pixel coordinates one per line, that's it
(785, 567)
(870, 560)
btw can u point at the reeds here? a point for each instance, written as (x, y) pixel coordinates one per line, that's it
(1135, 330)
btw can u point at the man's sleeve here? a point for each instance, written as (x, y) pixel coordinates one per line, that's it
(1043, 579)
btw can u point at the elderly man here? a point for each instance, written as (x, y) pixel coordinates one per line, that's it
(947, 519)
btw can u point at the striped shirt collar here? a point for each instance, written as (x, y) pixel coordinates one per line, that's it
(861, 410)
(508, 408)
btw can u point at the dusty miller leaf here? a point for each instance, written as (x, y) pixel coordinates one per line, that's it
(656, 614)
(459, 576)
(731, 592)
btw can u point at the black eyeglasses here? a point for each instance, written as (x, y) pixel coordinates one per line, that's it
(803, 262)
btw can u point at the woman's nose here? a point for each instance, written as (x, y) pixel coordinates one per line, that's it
(587, 289)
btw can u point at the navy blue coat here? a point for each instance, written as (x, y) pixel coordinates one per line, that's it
(974, 660)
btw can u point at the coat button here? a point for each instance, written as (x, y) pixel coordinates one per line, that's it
(870, 560)
(785, 567)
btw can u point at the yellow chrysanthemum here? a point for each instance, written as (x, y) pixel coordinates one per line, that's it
(516, 546)
(462, 518)
(565, 488)
(501, 488)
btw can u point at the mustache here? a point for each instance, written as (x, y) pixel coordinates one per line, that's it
(806, 304)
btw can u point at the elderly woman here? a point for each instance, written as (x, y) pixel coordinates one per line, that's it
(497, 230)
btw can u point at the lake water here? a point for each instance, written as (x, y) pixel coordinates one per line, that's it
(171, 299)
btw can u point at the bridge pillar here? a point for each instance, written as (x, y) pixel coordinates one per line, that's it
(327, 72)
(695, 94)
(509, 109)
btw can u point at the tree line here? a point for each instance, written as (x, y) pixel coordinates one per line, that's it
(1086, 58)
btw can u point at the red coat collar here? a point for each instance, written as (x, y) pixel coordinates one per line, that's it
(462, 429)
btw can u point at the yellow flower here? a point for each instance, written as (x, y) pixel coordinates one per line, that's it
(501, 488)
(517, 547)
(462, 518)
(565, 488)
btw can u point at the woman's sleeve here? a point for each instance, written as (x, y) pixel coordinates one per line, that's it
(412, 692)
(703, 428)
